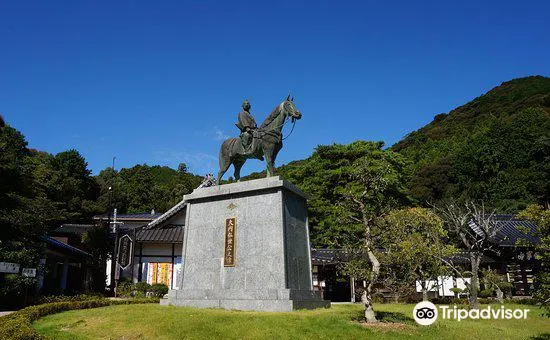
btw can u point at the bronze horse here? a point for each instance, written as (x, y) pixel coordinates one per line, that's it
(267, 141)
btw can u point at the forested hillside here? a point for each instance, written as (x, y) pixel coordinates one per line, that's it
(495, 148)
(143, 188)
(39, 191)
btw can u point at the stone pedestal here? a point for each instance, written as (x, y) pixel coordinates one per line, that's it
(270, 256)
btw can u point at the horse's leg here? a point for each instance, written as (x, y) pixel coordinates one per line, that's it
(269, 159)
(225, 162)
(237, 165)
(276, 150)
(270, 152)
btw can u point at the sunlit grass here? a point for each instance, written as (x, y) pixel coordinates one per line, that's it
(152, 321)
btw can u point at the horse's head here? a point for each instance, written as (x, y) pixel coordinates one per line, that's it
(290, 109)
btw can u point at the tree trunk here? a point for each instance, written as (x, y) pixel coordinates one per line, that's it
(367, 294)
(423, 284)
(424, 294)
(475, 259)
(500, 295)
(366, 298)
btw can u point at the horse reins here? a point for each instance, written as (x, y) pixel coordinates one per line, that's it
(293, 125)
(284, 122)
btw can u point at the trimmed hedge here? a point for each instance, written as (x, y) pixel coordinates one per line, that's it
(68, 298)
(17, 326)
(141, 289)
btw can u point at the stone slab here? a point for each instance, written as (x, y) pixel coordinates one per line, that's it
(272, 263)
(255, 185)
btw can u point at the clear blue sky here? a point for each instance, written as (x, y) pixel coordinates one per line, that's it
(162, 82)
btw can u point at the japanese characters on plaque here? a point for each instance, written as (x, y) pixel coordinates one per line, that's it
(229, 249)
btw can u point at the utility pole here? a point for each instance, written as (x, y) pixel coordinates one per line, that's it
(109, 231)
(115, 257)
(115, 231)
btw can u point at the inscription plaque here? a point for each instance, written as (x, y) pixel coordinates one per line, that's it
(229, 249)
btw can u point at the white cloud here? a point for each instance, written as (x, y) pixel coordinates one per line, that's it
(219, 134)
(215, 133)
(197, 162)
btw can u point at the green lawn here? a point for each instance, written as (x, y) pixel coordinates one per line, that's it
(151, 321)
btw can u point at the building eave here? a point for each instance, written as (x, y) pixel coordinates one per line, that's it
(171, 212)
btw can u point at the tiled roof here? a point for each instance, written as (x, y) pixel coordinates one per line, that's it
(60, 245)
(328, 256)
(137, 217)
(510, 230)
(171, 212)
(160, 235)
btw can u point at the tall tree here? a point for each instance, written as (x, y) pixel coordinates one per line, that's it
(37, 192)
(413, 245)
(143, 188)
(476, 229)
(541, 216)
(370, 186)
(330, 168)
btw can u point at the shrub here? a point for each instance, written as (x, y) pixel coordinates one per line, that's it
(159, 289)
(524, 301)
(456, 290)
(449, 301)
(141, 288)
(125, 289)
(486, 293)
(17, 326)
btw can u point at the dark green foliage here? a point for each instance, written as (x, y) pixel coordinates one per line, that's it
(326, 173)
(17, 326)
(142, 288)
(496, 148)
(98, 244)
(541, 216)
(68, 298)
(139, 289)
(159, 289)
(77, 189)
(143, 188)
(126, 288)
(486, 293)
(38, 191)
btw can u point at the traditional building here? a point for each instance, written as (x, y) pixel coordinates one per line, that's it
(157, 249)
(66, 268)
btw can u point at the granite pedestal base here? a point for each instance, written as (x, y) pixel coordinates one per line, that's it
(271, 268)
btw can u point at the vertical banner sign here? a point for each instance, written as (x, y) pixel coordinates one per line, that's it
(229, 250)
(125, 251)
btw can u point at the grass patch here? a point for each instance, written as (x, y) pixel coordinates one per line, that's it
(150, 321)
(17, 326)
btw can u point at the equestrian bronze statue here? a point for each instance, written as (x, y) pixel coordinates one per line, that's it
(260, 143)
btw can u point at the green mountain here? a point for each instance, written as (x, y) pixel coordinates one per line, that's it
(495, 148)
